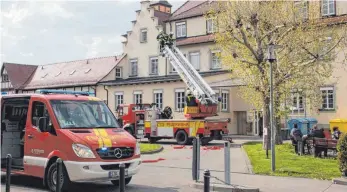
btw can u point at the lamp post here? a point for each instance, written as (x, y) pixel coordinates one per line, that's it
(272, 58)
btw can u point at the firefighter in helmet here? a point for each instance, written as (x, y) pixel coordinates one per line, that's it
(190, 99)
(161, 39)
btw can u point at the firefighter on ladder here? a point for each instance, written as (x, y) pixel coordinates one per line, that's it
(190, 98)
(165, 39)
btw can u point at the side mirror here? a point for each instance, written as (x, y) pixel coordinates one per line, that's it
(44, 124)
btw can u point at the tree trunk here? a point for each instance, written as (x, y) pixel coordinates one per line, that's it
(277, 120)
(266, 124)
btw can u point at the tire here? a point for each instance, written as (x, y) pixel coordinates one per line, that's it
(51, 180)
(182, 137)
(116, 182)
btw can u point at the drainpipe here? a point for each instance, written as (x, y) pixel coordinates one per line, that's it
(106, 94)
(165, 66)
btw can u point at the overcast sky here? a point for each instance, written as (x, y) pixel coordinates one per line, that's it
(41, 32)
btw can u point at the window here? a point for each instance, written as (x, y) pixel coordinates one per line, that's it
(119, 99)
(328, 7)
(215, 61)
(133, 65)
(39, 110)
(153, 65)
(158, 98)
(4, 78)
(195, 60)
(181, 30)
(327, 97)
(225, 100)
(210, 25)
(298, 101)
(302, 9)
(138, 97)
(118, 72)
(217, 96)
(143, 37)
(179, 99)
(83, 114)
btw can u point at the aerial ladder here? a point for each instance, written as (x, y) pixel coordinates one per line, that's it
(206, 98)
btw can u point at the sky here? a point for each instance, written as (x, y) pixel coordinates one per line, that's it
(43, 32)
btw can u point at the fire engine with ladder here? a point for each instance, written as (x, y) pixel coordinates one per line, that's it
(147, 121)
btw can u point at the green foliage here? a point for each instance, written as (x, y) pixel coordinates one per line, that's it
(146, 147)
(342, 152)
(305, 60)
(290, 164)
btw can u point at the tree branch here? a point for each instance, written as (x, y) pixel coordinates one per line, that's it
(246, 43)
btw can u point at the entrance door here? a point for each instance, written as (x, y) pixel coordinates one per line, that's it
(241, 118)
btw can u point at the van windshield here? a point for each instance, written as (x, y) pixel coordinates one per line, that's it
(83, 114)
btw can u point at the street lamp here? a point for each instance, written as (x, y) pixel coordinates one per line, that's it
(272, 58)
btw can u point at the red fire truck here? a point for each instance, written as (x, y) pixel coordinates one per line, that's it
(144, 120)
(36, 129)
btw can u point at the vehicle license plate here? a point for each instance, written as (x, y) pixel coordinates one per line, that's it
(113, 174)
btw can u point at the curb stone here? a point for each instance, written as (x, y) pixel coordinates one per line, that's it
(223, 188)
(340, 181)
(153, 152)
(248, 162)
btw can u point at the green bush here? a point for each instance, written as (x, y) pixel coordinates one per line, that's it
(342, 153)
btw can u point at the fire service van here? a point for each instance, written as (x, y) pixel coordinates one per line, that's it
(36, 129)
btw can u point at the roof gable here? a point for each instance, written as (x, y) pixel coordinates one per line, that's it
(19, 74)
(73, 73)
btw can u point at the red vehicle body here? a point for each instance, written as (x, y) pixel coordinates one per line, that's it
(145, 120)
(81, 130)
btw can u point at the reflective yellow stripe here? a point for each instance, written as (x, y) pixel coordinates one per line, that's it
(105, 138)
(99, 138)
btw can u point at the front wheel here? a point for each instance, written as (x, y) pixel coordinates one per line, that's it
(52, 176)
(182, 137)
(116, 182)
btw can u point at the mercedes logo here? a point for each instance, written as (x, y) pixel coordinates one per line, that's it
(117, 153)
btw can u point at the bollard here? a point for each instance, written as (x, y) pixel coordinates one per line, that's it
(194, 160)
(207, 180)
(197, 159)
(122, 177)
(59, 173)
(227, 162)
(8, 171)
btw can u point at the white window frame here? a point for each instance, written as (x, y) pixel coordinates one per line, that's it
(158, 98)
(217, 91)
(151, 72)
(132, 61)
(197, 53)
(213, 58)
(119, 73)
(326, 4)
(179, 105)
(181, 29)
(210, 25)
(302, 7)
(225, 101)
(138, 97)
(119, 99)
(326, 99)
(142, 31)
(173, 70)
(296, 97)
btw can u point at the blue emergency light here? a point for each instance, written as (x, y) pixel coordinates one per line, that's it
(50, 91)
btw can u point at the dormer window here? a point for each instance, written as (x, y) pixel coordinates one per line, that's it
(118, 72)
(181, 29)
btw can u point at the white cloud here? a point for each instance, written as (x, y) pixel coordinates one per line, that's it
(43, 31)
(55, 9)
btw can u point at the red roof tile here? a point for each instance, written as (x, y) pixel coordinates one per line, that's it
(192, 9)
(195, 40)
(73, 73)
(19, 74)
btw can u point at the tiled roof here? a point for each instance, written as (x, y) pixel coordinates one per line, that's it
(19, 74)
(161, 2)
(73, 73)
(227, 83)
(192, 9)
(157, 79)
(195, 40)
(334, 20)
